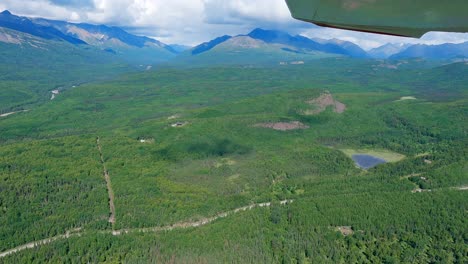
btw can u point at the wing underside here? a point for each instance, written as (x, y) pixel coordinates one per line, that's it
(392, 17)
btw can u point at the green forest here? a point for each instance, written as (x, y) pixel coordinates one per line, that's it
(235, 164)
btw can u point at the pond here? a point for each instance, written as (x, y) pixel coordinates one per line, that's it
(367, 161)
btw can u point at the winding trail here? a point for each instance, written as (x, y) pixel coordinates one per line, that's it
(35, 244)
(179, 225)
(198, 223)
(110, 191)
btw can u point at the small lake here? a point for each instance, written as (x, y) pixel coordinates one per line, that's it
(367, 161)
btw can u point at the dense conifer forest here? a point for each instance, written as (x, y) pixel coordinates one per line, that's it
(240, 164)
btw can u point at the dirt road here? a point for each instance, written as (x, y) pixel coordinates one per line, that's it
(110, 191)
(180, 225)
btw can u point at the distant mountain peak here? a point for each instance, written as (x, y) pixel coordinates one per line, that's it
(244, 42)
(256, 30)
(269, 35)
(261, 30)
(26, 25)
(210, 44)
(387, 50)
(303, 43)
(109, 39)
(437, 52)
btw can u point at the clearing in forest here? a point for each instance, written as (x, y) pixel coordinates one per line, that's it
(345, 230)
(419, 190)
(283, 126)
(224, 162)
(321, 103)
(179, 124)
(172, 117)
(406, 98)
(386, 155)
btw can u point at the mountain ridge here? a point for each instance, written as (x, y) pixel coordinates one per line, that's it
(437, 52)
(387, 50)
(144, 50)
(114, 40)
(25, 25)
(302, 42)
(297, 44)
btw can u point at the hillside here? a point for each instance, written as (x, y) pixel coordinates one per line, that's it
(246, 51)
(387, 50)
(303, 43)
(51, 55)
(127, 47)
(33, 66)
(25, 25)
(444, 51)
(265, 47)
(298, 44)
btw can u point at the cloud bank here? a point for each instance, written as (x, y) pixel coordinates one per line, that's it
(194, 21)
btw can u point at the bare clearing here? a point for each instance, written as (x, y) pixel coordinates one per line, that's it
(283, 126)
(410, 176)
(146, 140)
(406, 98)
(179, 124)
(224, 162)
(180, 225)
(9, 38)
(55, 93)
(345, 230)
(321, 103)
(173, 117)
(419, 190)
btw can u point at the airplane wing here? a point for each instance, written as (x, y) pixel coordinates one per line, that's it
(409, 18)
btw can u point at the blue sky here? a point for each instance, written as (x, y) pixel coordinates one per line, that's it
(191, 22)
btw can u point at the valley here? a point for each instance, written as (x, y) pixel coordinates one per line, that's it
(258, 148)
(221, 161)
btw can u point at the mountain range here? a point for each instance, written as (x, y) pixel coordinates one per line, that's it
(296, 44)
(114, 40)
(259, 44)
(436, 52)
(387, 50)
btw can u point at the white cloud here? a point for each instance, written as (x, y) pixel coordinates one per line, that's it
(195, 21)
(242, 11)
(434, 38)
(37, 8)
(368, 40)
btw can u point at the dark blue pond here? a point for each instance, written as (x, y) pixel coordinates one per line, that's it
(367, 161)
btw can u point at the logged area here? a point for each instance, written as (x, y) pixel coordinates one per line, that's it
(275, 163)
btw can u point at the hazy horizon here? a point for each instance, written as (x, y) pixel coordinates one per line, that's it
(193, 22)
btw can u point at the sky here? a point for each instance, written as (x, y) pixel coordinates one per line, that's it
(191, 22)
